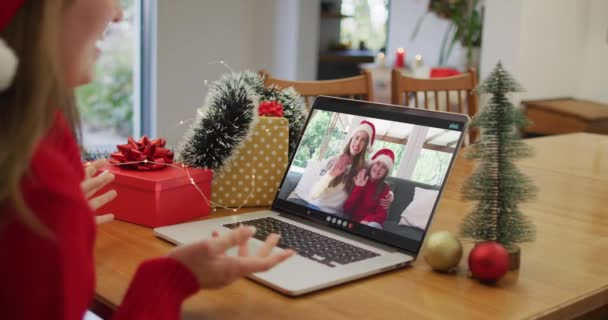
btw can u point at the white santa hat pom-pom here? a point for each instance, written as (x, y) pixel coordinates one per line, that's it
(8, 65)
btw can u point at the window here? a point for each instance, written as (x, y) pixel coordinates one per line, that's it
(324, 129)
(109, 105)
(434, 158)
(366, 25)
(432, 167)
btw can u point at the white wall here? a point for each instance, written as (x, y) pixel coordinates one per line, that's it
(595, 74)
(501, 35)
(286, 38)
(191, 34)
(262, 34)
(276, 22)
(404, 15)
(554, 48)
(308, 39)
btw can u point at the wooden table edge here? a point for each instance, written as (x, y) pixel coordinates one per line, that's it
(102, 307)
(576, 307)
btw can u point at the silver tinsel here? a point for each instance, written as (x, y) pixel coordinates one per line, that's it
(228, 116)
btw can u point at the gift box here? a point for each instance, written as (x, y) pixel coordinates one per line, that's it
(157, 198)
(252, 178)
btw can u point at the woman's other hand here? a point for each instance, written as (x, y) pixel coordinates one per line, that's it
(91, 184)
(361, 178)
(207, 259)
(340, 166)
(388, 200)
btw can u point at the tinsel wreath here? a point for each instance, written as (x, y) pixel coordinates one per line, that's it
(223, 123)
(215, 136)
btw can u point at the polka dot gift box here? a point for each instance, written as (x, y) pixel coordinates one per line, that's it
(252, 178)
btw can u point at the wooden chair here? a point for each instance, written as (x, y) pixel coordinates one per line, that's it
(428, 93)
(359, 87)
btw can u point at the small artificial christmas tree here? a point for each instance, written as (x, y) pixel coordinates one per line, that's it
(497, 184)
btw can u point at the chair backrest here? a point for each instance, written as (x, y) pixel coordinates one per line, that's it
(359, 87)
(453, 94)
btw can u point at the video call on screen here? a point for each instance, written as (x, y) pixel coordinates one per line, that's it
(333, 171)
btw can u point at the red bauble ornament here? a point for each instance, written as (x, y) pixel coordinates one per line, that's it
(489, 261)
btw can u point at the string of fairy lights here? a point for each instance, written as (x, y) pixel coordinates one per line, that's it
(183, 167)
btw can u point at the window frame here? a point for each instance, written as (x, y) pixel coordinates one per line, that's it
(147, 75)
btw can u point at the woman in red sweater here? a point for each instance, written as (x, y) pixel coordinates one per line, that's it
(363, 203)
(47, 225)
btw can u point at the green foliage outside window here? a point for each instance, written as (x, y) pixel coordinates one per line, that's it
(310, 147)
(367, 23)
(107, 102)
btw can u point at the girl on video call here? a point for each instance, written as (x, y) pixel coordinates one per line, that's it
(47, 202)
(363, 203)
(336, 178)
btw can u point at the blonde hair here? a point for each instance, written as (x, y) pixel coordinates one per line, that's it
(28, 107)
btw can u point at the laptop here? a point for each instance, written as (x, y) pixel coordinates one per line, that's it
(334, 245)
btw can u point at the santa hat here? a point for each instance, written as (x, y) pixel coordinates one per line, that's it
(386, 156)
(8, 59)
(368, 128)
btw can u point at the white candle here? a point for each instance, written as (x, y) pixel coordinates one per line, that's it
(380, 59)
(418, 60)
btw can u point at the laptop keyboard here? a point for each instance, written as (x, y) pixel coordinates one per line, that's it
(306, 243)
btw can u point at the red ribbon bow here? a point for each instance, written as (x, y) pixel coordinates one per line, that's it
(270, 109)
(147, 154)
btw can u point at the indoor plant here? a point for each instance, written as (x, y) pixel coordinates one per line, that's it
(465, 27)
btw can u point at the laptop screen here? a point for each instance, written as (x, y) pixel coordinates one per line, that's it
(374, 170)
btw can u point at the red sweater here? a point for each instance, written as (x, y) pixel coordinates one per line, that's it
(49, 279)
(361, 204)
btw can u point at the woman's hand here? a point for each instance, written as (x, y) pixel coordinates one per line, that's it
(340, 166)
(91, 184)
(207, 259)
(388, 200)
(361, 178)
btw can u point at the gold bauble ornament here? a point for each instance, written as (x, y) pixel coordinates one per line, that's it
(442, 251)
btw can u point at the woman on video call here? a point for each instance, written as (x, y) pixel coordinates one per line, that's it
(336, 178)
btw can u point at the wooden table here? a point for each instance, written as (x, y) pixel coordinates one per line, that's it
(564, 273)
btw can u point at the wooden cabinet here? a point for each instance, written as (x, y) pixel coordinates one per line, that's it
(565, 115)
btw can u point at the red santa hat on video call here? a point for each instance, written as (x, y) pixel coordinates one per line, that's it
(8, 59)
(368, 128)
(386, 156)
